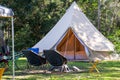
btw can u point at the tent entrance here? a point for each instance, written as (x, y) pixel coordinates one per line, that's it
(71, 48)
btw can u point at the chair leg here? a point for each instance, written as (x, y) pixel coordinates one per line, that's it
(94, 67)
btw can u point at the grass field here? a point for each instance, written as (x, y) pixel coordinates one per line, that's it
(109, 70)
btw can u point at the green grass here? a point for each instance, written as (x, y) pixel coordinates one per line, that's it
(109, 70)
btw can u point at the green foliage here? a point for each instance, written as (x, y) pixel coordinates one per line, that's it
(34, 18)
(115, 38)
(23, 37)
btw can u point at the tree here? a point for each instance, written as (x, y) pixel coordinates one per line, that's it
(34, 18)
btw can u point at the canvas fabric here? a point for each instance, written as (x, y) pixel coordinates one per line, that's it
(84, 31)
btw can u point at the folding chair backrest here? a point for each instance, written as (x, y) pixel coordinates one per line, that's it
(54, 58)
(33, 58)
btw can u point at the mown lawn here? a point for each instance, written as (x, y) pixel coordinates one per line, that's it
(109, 70)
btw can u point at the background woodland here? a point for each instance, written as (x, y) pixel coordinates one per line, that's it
(35, 18)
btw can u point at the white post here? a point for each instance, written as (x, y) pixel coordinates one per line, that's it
(13, 48)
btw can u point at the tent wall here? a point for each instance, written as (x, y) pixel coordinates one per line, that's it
(71, 48)
(99, 55)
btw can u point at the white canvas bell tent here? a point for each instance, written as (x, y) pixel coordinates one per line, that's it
(76, 38)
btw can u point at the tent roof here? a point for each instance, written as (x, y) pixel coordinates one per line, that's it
(6, 12)
(84, 30)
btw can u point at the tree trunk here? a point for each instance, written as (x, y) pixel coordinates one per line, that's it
(99, 14)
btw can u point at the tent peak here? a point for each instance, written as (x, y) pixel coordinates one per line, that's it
(74, 2)
(73, 6)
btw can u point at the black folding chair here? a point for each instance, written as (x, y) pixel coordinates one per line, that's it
(55, 59)
(33, 58)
